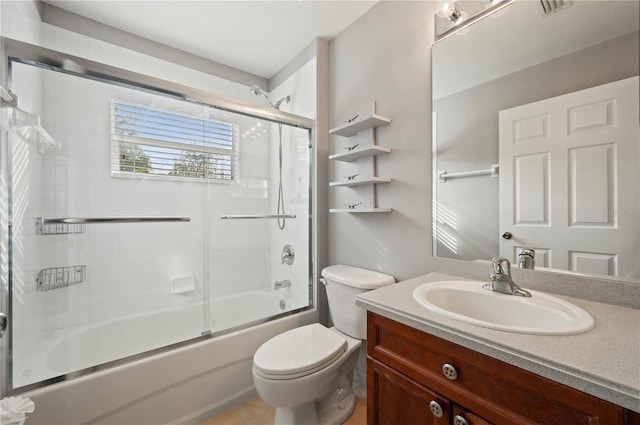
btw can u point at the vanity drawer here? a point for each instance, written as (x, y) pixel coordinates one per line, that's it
(492, 389)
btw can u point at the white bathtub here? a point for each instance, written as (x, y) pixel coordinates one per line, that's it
(107, 341)
(235, 310)
(203, 377)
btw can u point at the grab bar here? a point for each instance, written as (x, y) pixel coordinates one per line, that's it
(98, 220)
(255, 216)
(493, 172)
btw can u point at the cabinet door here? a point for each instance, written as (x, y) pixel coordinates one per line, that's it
(464, 417)
(393, 399)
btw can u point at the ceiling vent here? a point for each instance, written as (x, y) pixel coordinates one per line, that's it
(547, 7)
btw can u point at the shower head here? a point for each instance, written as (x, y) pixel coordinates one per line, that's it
(257, 91)
(285, 99)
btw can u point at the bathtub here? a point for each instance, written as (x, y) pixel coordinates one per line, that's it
(235, 310)
(112, 340)
(186, 384)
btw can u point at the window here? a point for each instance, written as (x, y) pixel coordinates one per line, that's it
(151, 141)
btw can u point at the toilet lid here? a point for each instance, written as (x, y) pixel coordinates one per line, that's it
(299, 352)
(357, 277)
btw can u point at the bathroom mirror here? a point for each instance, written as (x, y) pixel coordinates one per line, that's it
(535, 138)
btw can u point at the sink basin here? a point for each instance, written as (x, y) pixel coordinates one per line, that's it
(466, 301)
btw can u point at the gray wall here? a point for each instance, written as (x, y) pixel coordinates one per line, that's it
(467, 134)
(385, 56)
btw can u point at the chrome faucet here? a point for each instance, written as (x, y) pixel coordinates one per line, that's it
(282, 284)
(526, 259)
(501, 279)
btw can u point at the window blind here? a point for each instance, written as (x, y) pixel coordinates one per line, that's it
(152, 141)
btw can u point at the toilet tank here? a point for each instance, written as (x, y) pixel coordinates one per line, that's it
(343, 283)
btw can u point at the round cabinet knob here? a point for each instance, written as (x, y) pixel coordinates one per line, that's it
(436, 409)
(449, 371)
(459, 420)
(507, 235)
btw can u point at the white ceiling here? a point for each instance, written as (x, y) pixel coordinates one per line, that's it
(259, 37)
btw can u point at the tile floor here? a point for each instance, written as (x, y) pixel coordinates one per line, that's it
(257, 412)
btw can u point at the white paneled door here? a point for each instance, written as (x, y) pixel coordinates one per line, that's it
(569, 180)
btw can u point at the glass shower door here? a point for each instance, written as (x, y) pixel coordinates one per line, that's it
(108, 246)
(259, 233)
(157, 221)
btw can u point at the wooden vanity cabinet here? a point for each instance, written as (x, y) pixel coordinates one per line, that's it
(408, 369)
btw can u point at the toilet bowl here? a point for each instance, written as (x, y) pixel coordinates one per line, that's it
(307, 373)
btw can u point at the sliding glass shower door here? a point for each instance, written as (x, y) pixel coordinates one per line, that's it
(259, 253)
(149, 222)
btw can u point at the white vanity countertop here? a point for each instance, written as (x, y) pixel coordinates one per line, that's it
(604, 362)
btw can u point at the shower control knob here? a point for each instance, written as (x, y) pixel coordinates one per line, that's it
(436, 409)
(288, 255)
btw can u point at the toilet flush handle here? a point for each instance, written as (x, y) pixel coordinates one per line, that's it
(323, 281)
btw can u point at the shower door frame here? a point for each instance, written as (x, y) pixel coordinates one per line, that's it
(20, 52)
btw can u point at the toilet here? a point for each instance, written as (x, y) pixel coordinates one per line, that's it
(307, 373)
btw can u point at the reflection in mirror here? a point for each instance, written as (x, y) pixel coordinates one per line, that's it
(536, 139)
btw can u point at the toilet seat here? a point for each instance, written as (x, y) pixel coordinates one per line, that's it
(298, 352)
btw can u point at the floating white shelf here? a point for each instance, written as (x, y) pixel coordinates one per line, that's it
(358, 153)
(361, 210)
(349, 129)
(372, 180)
(363, 126)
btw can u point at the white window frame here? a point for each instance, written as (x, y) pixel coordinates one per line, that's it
(217, 139)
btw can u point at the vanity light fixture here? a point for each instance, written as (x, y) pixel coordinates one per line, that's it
(447, 9)
(457, 21)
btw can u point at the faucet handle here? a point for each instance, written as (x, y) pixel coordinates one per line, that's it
(501, 279)
(498, 267)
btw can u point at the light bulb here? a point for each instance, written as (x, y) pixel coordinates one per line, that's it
(447, 9)
(443, 8)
